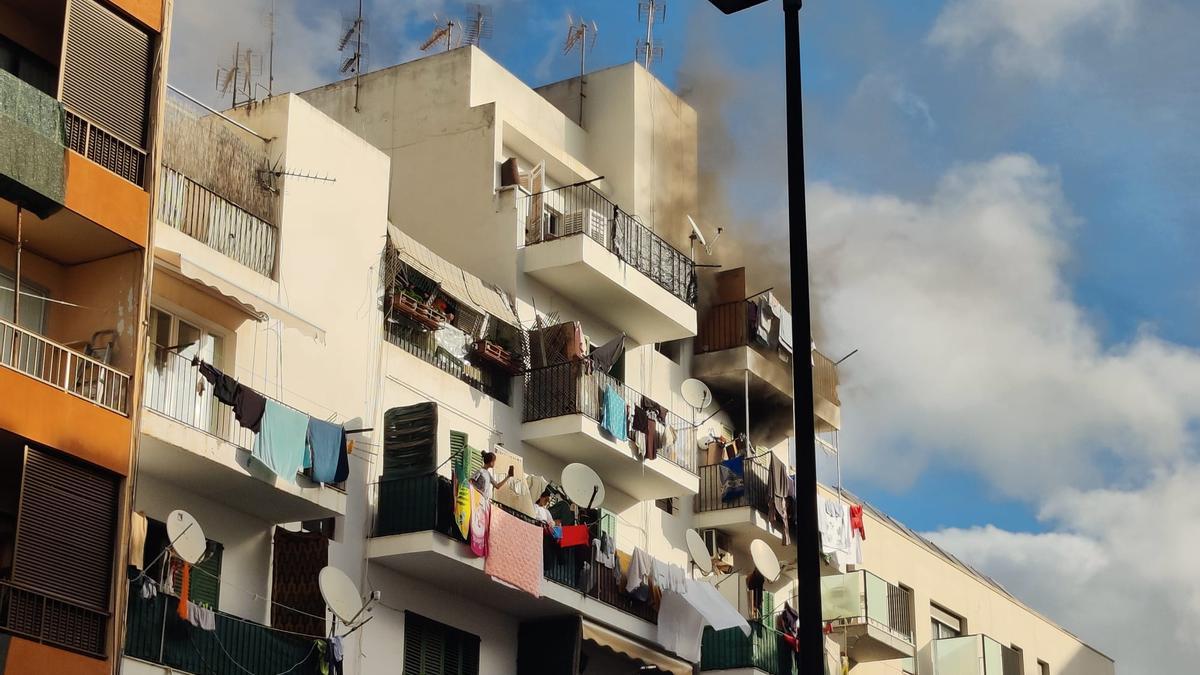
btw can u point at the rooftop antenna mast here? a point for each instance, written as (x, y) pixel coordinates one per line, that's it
(354, 41)
(650, 50)
(271, 52)
(443, 31)
(479, 27)
(238, 78)
(581, 35)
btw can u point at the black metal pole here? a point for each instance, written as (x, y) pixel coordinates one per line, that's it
(812, 648)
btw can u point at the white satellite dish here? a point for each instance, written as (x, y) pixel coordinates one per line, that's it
(765, 560)
(340, 594)
(582, 485)
(697, 233)
(698, 551)
(695, 393)
(186, 536)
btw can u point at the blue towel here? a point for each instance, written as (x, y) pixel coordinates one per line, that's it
(614, 413)
(733, 479)
(327, 449)
(280, 444)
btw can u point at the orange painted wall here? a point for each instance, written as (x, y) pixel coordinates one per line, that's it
(107, 199)
(30, 658)
(149, 12)
(64, 422)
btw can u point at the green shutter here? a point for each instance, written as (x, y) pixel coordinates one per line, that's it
(433, 648)
(204, 582)
(768, 608)
(608, 525)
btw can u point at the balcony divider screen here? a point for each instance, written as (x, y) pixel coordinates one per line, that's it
(297, 605)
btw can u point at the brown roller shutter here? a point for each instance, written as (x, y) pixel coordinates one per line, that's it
(106, 71)
(66, 528)
(297, 604)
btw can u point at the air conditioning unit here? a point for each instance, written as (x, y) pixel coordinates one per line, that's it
(586, 221)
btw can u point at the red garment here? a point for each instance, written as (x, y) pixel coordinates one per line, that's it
(856, 521)
(574, 535)
(184, 584)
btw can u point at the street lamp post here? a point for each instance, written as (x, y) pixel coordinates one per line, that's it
(812, 651)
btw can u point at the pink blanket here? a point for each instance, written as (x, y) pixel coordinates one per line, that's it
(514, 553)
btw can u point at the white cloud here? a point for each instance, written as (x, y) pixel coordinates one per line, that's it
(1028, 36)
(972, 350)
(1121, 574)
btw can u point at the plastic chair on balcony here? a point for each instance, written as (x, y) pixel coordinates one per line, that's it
(89, 379)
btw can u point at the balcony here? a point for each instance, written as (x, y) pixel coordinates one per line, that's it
(192, 440)
(63, 368)
(585, 247)
(870, 617)
(763, 651)
(740, 514)
(421, 343)
(413, 533)
(52, 621)
(562, 415)
(154, 634)
(32, 146)
(213, 187)
(974, 655)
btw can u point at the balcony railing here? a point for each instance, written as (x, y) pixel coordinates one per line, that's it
(170, 389)
(764, 649)
(53, 621)
(425, 504)
(94, 142)
(718, 493)
(63, 368)
(154, 633)
(723, 326)
(975, 655)
(577, 388)
(32, 141)
(858, 598)
(421, 343)
(825, 378)
(583, 210)
(225, 227)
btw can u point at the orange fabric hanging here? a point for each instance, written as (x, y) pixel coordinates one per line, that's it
(186, 578)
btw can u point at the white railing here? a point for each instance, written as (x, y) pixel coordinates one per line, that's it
(63, 368)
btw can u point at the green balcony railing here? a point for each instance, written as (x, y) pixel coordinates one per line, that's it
(764, 649)
(859, 597)
(33, 141)
(154, 633)
(975, 655)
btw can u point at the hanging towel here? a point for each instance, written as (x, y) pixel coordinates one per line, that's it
(574, 535)
(614, 413)
(603, 549)
(480, 519)
(856, 521)
(777, 496)
(184, 586)
(249, 406)
(514, 553)
(651, 438)
(327, 446)
(785, 330)
(606, 355)
(280, 444)
(641, 566)
(201, 617)
(733, 479)
(680, 626)
(224, 386)
(137, 540)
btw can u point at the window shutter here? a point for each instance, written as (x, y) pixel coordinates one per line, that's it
(298, 560)
(433, 648)
(66, 530)
(205, 580)
(410, 441)
(106, 73)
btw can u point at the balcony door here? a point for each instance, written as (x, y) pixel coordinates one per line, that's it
(173, 385)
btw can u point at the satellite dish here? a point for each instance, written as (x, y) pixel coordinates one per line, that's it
(582, 485)
(698, 551)
(186, 536)
(340, 594)
(697, 233)
(765, 560)
(695, 393)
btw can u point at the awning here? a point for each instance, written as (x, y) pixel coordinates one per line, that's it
(613, 640)
(254, 305)
(716, 610)
(466, 288)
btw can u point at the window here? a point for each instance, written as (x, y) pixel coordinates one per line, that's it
(946, 624)
(668, 504)
(204, 585)
(433, 648)
(171, 383)
(33, 303)
(1043, 667)
(672, 350)
(1018, 661)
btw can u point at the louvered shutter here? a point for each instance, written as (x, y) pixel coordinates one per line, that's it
(204, 587)
(66, 529)
(433, 648)
(106, 73)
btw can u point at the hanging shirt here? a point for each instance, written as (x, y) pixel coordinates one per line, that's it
(485, 481)
(326, 443)
(542, 514)
(280, 443)
(249, 407)
(224, 386)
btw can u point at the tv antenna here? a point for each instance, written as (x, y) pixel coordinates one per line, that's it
(479, 27)
(353, 43)
(650, 50)
(444, 30)
(237, 79)
(581, 35)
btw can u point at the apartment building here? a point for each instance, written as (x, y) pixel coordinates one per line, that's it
(80, 88)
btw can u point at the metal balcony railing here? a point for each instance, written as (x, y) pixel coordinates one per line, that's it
(223, 226)
(825, 378)
(583, 210)
(97, 144)
(859, 597)
(53, 621)
(764, 649)
(154, 633)
(421, 343)
(975, 655)
(718, 492)
(425, 503)
(63, 368)
(577, 388)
